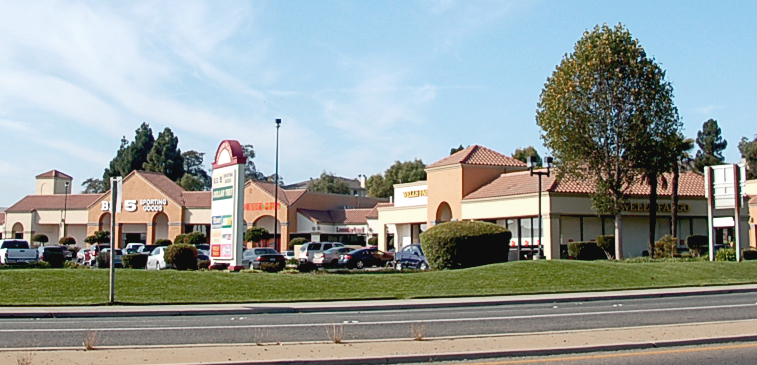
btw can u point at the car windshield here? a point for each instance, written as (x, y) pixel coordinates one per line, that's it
(313, 247)
(265, 251)
(53, 249)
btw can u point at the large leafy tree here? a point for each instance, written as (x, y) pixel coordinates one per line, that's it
(93, 186)
(130, 156)
(597, 109)
(401, 172)
(682, 148)
(454, 150)
(748, 151)
(711, 145)
(250, 172)
(195, 177)
(165, 156)
(328, 183)
(523, 154)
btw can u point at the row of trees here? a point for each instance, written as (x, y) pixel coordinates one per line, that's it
(163, 155)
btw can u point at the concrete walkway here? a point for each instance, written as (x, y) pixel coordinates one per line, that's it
(398, 350)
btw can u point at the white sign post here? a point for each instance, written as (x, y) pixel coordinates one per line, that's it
(116, 193)
(227, 207)
(724, 189)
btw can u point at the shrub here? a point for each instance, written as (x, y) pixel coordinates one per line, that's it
(195, 238)
(725, 254)
(750, 254)
(164, 242)
(67, 241)
(203, 264)
(585, 250)
(667, 246)
(272, 266)
(103, 260)
(373, 241)
(296, 241)
(255, 234)
(39, 265)
(41, 238)
(607, 244)
(73, 265)
(180, 238)
(697, 244)
(135, 261)
(456, 245)
(182, 256)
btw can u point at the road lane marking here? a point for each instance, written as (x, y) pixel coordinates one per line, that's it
(442, 320)
(610, 356)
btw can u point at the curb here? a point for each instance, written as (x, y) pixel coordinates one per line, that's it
(250, 309)
(402, 359)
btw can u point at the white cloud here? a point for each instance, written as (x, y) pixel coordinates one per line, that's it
(708, 110)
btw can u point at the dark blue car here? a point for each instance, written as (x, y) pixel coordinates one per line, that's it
(411, 257)
(365, 257)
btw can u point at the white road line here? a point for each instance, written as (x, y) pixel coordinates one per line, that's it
(444, 320)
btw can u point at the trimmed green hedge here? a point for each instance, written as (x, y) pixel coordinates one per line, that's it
(457, 245)
(585, 251)
(135, 261)
(164, 242)
(607, 244)
(296, 241)
(182, 256)
(749, 254)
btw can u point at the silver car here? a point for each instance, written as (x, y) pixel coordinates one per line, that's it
(308, 250)
(330, 257)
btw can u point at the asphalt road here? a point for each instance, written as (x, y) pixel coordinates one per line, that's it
(352, 325)
(729, 353)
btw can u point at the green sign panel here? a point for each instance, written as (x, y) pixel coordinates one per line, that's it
(223, 193)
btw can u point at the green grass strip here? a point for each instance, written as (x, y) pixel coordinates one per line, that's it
(90, 287)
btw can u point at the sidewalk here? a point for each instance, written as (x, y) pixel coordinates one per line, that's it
(400, 350)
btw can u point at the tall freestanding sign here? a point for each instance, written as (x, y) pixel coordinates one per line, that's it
(227, 206)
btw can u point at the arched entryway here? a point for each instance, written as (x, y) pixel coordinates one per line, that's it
(160, 226)
(443, 213)
(17, 231)
(104, 223)
(267, 222)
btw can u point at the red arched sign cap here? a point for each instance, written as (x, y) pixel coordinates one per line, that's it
(233, 150)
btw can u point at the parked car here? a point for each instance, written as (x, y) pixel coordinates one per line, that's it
(156, 260)
(147, 249)
(365, 257)
(117, 258)
(67, 254)
(253, 257)
(14, 251)
(203, 246)
(288, 254)
(134, 247)
(330, 257)
(308, 250)
(94, 250)
(81, 256)
(411, 257)
(52, 255)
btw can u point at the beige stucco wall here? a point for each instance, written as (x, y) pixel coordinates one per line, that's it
(445, 184)
(392, 218)
(197, 216)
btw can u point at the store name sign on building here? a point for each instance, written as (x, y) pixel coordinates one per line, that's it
(661, 207)
(261, 206)
(412, 194)
(415, 193)
(350, 230)
(132, 205)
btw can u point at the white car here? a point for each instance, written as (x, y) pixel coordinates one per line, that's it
(156, 260)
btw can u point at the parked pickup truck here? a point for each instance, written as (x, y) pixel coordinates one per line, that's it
(16, 251)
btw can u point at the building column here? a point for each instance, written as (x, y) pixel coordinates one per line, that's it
(382, 242)
(150, 236)
(551, 228)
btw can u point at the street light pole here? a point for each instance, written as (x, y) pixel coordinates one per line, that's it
(65, 206)
(531, 165)
(276, 191)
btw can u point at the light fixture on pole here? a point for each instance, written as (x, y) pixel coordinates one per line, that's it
(532, 161)
(276, 191)
(65, 206)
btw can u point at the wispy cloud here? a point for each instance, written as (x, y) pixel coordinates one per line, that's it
(707, 110)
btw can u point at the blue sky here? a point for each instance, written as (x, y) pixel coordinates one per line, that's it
(358, 84)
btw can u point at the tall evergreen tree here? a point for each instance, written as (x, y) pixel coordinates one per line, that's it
(748, 151)
(165, 156)
(711, 145)
(195, 176)
(454, 150)
(130, 156)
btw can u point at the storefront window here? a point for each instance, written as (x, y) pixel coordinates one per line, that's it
(527, 232)
(512, 225)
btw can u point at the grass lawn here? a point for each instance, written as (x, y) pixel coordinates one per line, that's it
(76, 287)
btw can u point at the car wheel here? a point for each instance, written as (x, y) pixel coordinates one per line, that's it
(423, 266)
(398, 266)
(360, 264)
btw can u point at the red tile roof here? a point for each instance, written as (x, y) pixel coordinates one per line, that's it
(2, 217)
(286, 197)
(54, 173)
(339, 216)
(373, 214)
(518, 183)
(478, 155)
(53, 202)
(197, 199)
(164, 184)
(753, 201)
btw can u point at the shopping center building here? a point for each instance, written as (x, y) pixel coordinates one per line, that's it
(478, 183)
(154, 207)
